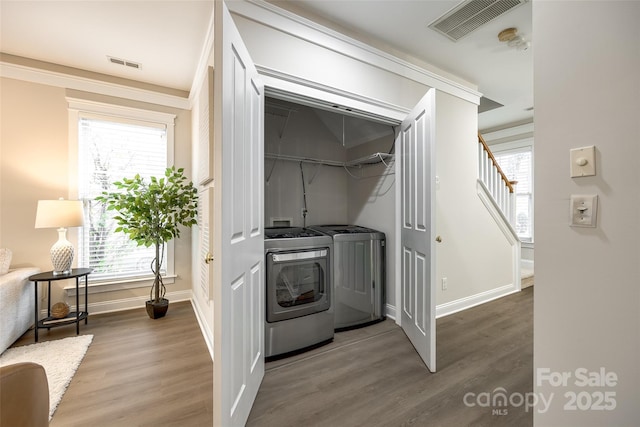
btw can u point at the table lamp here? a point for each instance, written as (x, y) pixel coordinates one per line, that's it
(60, 214)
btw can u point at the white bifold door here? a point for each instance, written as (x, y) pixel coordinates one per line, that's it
(415, 146)
(238, 291)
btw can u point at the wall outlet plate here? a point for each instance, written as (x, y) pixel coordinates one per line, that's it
(583, 161)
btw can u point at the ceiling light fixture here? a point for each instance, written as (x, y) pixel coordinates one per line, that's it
(513, 39)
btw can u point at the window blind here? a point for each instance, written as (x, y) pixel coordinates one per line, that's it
(109, 150)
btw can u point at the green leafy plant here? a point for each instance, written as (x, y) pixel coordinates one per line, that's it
(152, 212)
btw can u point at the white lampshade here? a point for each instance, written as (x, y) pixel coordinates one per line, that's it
(60, 214)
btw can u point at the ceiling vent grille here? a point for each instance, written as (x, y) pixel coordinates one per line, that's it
(471, 15)
(124, 62)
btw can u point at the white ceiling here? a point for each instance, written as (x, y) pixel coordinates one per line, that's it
(166, 37)
(501, 73)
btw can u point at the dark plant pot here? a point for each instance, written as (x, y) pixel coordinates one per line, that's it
(156, 310)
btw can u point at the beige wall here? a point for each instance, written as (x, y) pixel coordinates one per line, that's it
(474, 255)
(34, 158)
(587, 280)
(34, 166)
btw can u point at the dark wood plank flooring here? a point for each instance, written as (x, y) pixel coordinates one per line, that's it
(373, 376)
(141, 372)
(138, 371)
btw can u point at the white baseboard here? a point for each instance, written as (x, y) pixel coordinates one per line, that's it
(390, 311)
(123, 304)
(474, 300)
(207, 334)
(138, 302)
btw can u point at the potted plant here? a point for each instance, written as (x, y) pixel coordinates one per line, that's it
(151, 213)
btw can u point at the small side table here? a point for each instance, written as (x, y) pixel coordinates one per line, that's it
(73, 317)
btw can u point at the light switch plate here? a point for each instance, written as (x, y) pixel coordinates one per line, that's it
(584, 210)
(583, 161)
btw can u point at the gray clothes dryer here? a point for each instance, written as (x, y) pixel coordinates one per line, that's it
(358, 274)
(299, 272)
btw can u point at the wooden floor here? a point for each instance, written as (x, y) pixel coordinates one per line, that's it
(141, 372)
(138, 371)
(373, 376)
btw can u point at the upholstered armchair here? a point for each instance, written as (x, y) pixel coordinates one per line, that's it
(24, 395)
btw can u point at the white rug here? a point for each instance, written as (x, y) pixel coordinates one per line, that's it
(60, 359)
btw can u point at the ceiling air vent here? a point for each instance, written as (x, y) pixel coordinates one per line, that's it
(471, 15)
(123, 62)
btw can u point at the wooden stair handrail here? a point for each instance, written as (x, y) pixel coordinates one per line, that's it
(508, 183)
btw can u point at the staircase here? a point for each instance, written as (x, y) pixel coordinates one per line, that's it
(499, 197)
(496, 182)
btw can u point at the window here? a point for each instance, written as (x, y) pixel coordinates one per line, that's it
(517, 164)
(112, 143)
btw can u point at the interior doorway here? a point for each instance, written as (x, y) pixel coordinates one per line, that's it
(327, 165)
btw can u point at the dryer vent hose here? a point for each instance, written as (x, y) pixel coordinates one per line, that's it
(304, 198)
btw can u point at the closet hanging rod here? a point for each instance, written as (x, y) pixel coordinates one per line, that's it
(367, 160)
(303, 159)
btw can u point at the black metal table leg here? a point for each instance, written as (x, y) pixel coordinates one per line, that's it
(77, 307)
(35, 328)
(49, 299)
(86, 299)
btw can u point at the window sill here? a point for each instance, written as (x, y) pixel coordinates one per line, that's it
(117, 285)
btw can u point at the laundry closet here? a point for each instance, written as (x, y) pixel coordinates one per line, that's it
(296, 58)
(347, 164)
(326, 166)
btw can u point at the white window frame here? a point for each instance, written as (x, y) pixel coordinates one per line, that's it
(81, 108)
(520, 146)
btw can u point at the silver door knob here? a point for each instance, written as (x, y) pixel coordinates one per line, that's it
(439, 239)
(208, 258)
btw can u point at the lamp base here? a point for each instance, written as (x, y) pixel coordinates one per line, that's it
(62, 254)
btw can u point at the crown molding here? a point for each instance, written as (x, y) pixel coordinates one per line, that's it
(67, 81)
(296, 26)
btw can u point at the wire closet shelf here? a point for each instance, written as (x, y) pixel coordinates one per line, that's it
(371, 159)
